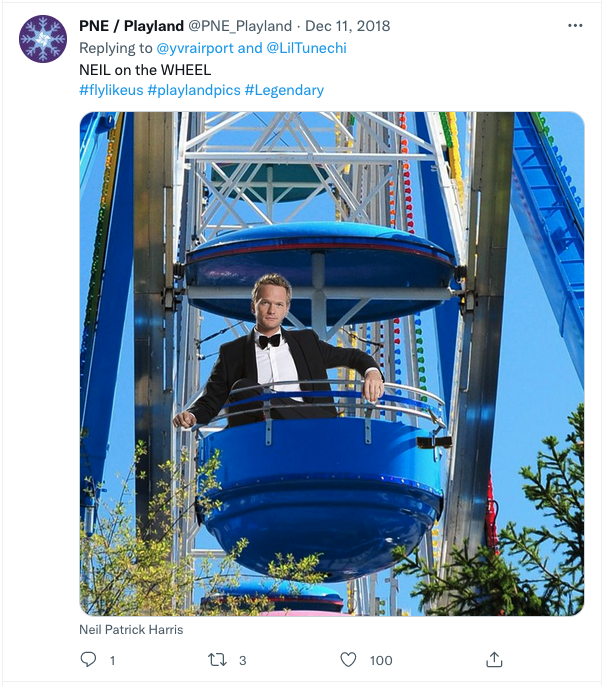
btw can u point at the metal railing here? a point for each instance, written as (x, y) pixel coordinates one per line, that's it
(397, 401)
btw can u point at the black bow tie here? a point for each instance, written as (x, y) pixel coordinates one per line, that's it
(263, 341)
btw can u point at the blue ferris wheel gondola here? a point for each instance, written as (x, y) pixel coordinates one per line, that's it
(359, 261)
(348, 489)
(283, 595)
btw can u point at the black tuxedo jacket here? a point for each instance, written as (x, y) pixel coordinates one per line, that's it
(312, 357)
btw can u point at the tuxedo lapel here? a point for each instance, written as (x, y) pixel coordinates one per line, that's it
(250, 368)
(298, 355)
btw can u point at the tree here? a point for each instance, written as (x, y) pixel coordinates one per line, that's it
(126, 574)
(549, 579)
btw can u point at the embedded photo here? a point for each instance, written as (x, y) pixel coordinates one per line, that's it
(332, 364)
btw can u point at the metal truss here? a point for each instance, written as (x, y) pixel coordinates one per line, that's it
(349, 156)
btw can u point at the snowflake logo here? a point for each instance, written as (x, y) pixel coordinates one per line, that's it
(43, 39)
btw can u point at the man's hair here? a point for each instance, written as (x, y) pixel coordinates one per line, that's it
(272, 280)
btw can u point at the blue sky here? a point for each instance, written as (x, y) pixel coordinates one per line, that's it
(537, 387)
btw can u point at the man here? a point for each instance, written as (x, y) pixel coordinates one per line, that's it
(269, 354)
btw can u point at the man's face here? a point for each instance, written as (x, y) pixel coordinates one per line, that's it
(270, 308)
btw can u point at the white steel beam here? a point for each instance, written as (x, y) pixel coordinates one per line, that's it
(334, 292)
(449, 191)
(309, 157)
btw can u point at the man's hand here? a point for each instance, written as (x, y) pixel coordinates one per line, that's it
(373, 386)
(184, 420)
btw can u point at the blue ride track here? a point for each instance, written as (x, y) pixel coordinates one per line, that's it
(548, 210)
(92, 127)
(105, 316)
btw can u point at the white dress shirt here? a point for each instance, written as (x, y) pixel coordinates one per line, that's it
(275, 363)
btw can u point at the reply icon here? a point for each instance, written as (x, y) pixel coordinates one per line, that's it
(88, 658)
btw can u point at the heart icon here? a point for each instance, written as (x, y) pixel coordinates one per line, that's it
(348, 658)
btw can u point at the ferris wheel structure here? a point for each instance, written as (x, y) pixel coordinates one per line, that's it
(392, 228)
